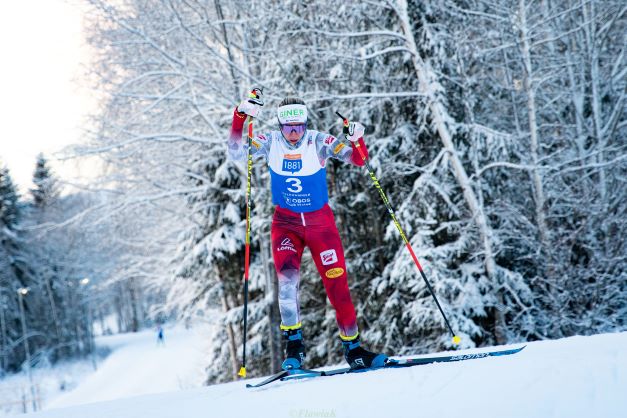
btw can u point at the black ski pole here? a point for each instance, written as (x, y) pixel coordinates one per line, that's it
(456, 338)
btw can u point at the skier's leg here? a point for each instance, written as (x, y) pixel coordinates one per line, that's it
(287, 250)
(323, 239)
(325, 244)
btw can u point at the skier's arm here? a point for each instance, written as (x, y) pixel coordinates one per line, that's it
(237, 148)
(329, 146)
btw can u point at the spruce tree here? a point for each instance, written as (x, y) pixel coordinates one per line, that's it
(46, 187)
(9, 197)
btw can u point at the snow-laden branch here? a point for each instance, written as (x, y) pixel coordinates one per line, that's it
(515, 166)
(365, 96)
(332, 34)
(155, 137)
(594, 165)
(111, 209)
(383, 52)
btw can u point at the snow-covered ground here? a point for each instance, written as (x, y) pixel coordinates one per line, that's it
(48, 383)
(135, 366)
(139, 366)
(573, 377)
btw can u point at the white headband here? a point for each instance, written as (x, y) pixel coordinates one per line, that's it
(294, 113)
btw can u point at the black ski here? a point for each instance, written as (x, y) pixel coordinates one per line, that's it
(393, 364)
(287, 375)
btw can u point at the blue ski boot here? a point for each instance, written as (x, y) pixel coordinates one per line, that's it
(294, 349)
(358, 357)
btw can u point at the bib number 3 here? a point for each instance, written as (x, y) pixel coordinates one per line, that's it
(295, 185)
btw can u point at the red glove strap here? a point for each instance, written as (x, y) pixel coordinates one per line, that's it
(356, 157)
(237, 126)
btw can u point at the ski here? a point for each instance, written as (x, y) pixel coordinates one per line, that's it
(392, 364)
(287, 375)
(419, 361)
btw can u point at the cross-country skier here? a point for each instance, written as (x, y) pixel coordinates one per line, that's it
(296, 157)
(160, 337)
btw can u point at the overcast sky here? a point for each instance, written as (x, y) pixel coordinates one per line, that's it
(42, 99)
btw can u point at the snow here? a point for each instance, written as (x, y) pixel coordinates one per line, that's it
(49, 382)
(138, 366)
(572, 377)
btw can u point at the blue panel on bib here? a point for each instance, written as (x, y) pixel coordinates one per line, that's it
(300, 193)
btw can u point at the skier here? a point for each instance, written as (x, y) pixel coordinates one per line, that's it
(296, 158)
(160, 337)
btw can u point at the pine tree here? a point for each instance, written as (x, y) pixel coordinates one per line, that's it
(12, 269)
(9, 200)
(46, 185)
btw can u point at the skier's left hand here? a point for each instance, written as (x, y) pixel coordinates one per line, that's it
(355, 131)
(249, 107)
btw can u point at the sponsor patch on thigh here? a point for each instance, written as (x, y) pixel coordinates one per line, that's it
(328, 257)
(333, 273)
(287, 245)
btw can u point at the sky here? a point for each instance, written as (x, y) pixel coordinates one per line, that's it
(43, 103)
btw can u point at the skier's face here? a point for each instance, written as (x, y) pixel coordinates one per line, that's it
(293, 132)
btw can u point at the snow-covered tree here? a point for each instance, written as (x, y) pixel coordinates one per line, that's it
(496, 128)
(46, 188)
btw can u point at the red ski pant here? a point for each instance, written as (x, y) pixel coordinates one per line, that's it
(291, 232)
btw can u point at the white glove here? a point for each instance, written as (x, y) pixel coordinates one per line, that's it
(249, 108)
(355, 131)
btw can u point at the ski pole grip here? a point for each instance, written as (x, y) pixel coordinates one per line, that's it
(344, 121)
(255, 96)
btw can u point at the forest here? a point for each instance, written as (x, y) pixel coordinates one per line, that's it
(497, 129)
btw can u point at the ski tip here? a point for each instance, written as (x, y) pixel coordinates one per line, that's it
(457, 339)
(242, 372)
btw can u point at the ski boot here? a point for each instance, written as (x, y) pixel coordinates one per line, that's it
(294, 349)
(358, 357)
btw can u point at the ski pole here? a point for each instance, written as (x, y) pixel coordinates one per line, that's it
(254, 97)
(456, 338)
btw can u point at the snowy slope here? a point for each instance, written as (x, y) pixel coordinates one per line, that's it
(138, 366)
(573, 377)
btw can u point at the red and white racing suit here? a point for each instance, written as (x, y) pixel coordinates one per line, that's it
(303, 217)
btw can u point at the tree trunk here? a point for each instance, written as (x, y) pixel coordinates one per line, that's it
(536, 176)
(428, 80)
(3, 329)
(589, 26)
(229, 331)
(53, 309)
(227, 46)
(133, 306)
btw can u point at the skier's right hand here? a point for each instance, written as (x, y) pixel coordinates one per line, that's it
(250, 107)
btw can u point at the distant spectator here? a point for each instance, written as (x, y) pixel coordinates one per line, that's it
(160, 338)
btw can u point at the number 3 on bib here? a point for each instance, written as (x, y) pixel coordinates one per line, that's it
(295, 185)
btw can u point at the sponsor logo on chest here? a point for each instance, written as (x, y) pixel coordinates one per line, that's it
(292, 162)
